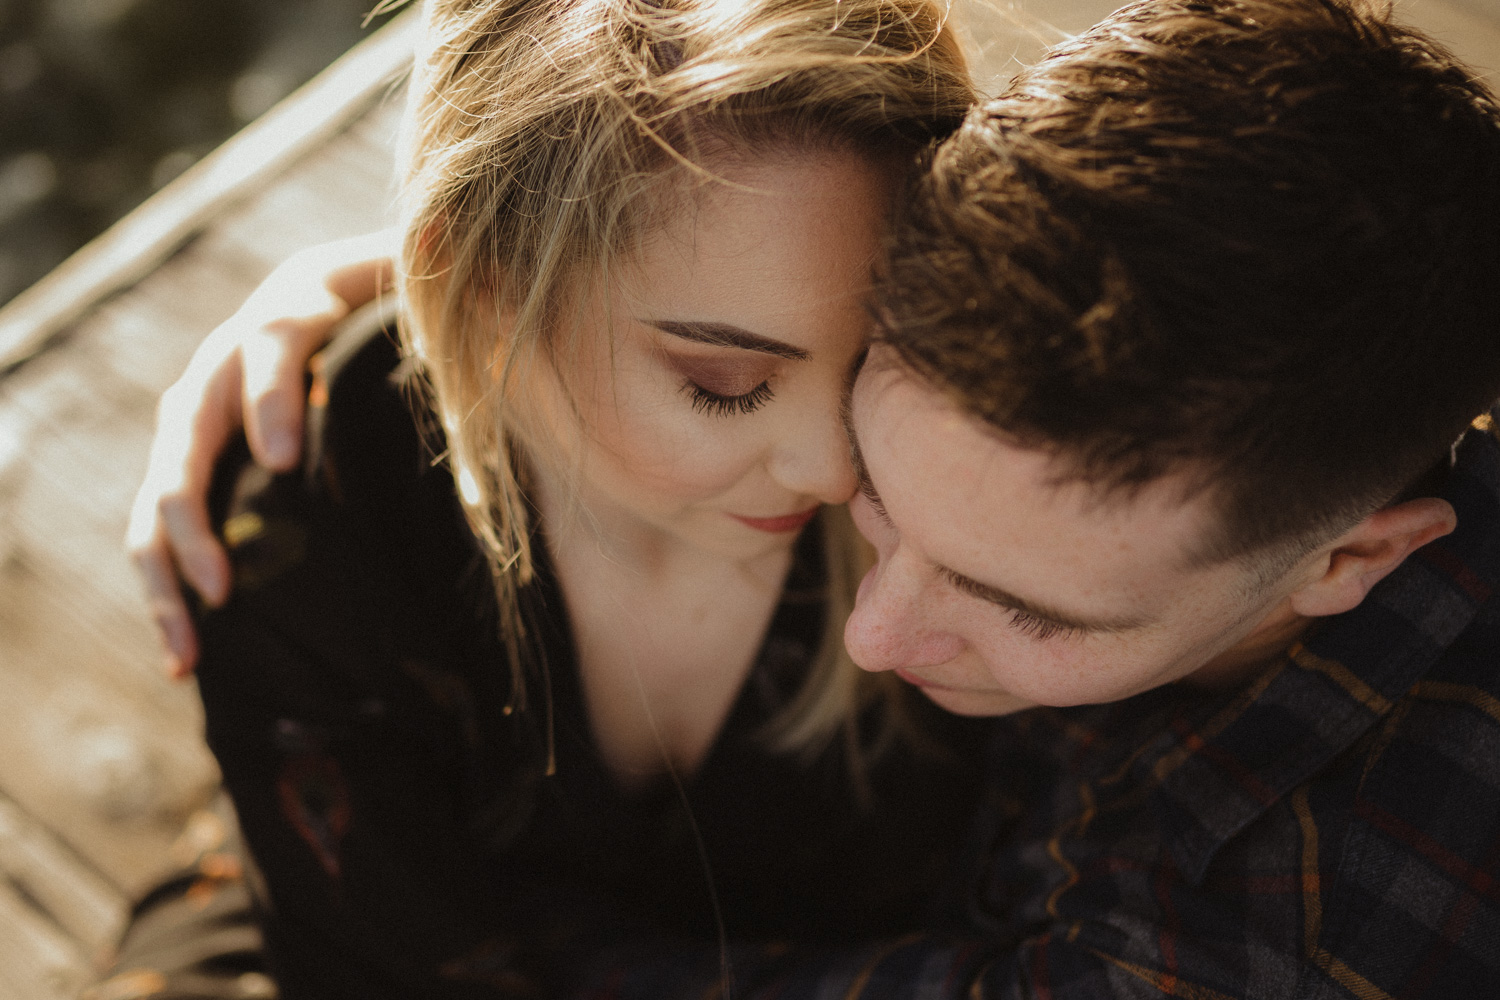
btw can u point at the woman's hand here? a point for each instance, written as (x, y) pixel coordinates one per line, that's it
(247, 373)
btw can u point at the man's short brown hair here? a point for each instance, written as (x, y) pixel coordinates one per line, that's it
(1257, 239)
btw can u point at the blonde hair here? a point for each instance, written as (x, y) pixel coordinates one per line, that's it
(544, 140)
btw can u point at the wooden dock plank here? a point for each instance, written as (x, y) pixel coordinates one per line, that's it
(95, 743)
(1471, 28)
(38, 961)
(58, 882)
(1003, 37)
(132, 247)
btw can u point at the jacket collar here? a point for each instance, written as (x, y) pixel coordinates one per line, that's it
(1220, 764)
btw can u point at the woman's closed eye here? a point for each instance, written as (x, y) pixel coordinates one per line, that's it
(724, 386)
(717, 404)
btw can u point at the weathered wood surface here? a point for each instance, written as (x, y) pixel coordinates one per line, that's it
(101, 760)
(1007, 34)
(131, 249)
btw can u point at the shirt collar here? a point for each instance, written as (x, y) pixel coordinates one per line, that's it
(1222, 763)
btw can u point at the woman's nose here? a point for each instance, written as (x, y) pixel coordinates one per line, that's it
(812, 457)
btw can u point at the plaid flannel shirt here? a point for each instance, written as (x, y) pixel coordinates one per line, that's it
(1330, 830)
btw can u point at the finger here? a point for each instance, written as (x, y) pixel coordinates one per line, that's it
(193, 426)
(275, 358)
(368, 266)
(200, 559)
(275, 352)
(168, 609)
(194, 546)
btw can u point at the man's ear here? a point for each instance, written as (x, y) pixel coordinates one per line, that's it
(1366, 553)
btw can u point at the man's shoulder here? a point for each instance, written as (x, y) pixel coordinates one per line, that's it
(1397, 840)
(1332, 828)
(1387, 843)
(1389, 840)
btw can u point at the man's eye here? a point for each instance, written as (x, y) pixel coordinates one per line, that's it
(718, 405)
(867, 490)
(1028, 624)
(1039, 628)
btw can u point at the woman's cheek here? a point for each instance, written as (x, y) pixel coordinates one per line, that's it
(672, 450)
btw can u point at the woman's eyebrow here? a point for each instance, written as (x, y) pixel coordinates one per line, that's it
(725, 335)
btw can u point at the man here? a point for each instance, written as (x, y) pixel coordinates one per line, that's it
(1165, 458)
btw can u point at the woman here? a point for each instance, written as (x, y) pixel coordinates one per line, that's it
(635, 242)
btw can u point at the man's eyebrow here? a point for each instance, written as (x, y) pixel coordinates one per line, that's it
(1062, 619)
(725, 335)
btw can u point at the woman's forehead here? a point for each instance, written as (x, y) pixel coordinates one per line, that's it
(810, 226)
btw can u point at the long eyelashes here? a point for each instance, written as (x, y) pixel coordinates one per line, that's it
(1025, 622)
(867, 490)
(1038, 628)
(722, 406)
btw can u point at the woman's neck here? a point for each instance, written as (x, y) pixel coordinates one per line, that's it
(665, 633)
(571, 517)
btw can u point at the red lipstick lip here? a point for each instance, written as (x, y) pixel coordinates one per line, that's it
(778, 525)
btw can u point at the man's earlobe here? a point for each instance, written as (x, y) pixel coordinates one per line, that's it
(1365, 554)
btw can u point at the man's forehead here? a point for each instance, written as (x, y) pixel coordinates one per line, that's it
(903, 417)
(981, 496)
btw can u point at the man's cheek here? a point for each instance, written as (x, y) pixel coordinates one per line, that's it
(1065, 672)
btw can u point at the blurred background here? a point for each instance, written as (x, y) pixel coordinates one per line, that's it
(103, 102)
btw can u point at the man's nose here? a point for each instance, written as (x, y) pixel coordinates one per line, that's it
(894, 623)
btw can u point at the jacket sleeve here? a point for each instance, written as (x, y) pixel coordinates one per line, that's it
(339, 704)
(930, 966)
